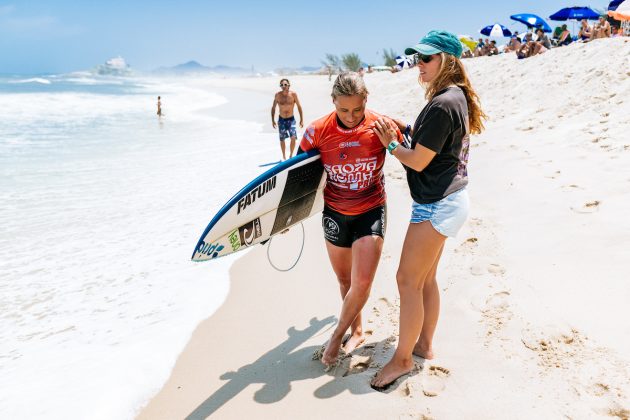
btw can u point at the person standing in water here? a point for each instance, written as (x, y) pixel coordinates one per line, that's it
(286, 100)
(159, 107)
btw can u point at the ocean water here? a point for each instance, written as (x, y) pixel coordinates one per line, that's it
(101, 206)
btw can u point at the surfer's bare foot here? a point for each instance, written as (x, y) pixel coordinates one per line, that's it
(331, 353)
(390, 373)
(424, 351)
(355, 340)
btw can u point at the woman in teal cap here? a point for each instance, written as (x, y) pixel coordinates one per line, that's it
(437, 177)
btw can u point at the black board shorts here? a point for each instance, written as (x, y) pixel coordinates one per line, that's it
(342, 230)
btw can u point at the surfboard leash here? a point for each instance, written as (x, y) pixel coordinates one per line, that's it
(298, 257)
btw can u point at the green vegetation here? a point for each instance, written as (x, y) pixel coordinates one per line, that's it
(351, 61)
(332, 62)
(389, 57)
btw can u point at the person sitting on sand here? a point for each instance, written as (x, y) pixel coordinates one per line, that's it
(543, 39)
(492, 48)
(436, 166)
(586, 32)
(524, 50)
(602, 28)
(537, 48)
(513, 45)
(481, 48)
(565, 36)
(354, 213)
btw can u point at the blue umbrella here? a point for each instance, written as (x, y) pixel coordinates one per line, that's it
(531, 21)
(614, 4)
(575, 13)
(495, 30)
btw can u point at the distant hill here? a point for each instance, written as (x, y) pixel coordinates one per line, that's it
(299, 70)
(194, 67)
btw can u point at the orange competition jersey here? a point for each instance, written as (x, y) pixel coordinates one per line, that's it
(353, 159)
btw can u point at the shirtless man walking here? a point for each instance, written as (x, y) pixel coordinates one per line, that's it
(286, 100)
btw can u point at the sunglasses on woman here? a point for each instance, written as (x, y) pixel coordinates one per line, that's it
(417, 58)
(283, 85)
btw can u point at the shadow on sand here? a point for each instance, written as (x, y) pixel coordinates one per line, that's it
(269, 164)
(275, 370)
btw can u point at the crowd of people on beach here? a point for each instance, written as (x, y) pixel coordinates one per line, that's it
(538, 42)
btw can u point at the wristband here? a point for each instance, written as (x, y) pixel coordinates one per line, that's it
(392, 146)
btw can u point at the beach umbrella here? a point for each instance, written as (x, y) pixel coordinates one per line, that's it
(614, 4)
(402, 62)
(622, 12)
(496, 30)
(468, 42)
(531, 21)
(575, 13)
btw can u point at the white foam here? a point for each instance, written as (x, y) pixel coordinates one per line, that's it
(32, 80)
(102, 207)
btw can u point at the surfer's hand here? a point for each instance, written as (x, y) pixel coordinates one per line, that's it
(301, 124)
(274, 125)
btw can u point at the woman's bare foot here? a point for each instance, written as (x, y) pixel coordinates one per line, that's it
(331, 353)
(424, 352)
(353, 341)
(390, 373)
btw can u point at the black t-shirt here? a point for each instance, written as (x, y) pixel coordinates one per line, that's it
(442, 126)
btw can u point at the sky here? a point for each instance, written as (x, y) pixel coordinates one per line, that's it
(57, 36)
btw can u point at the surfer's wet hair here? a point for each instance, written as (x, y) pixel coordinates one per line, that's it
(349, 83)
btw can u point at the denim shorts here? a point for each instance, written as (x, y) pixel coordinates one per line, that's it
(447, 216)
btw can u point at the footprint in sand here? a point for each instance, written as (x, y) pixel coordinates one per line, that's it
(479, 269)
(599, 389)
(589, 207)
(468, 245)
(496, 269)
(617, 411)
(498, 300)
(496, 305)
(571, 187)
(359, 363)
(434, 381)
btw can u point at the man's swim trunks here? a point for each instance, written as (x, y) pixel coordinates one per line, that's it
(286, 127)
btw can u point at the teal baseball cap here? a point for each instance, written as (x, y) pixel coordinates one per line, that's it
(436, 42)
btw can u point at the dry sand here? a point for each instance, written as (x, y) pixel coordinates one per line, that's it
(534, 320)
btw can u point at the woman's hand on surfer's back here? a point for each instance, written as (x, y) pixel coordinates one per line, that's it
(385, 130)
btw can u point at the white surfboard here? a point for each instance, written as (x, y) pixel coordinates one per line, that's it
(276, 200)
